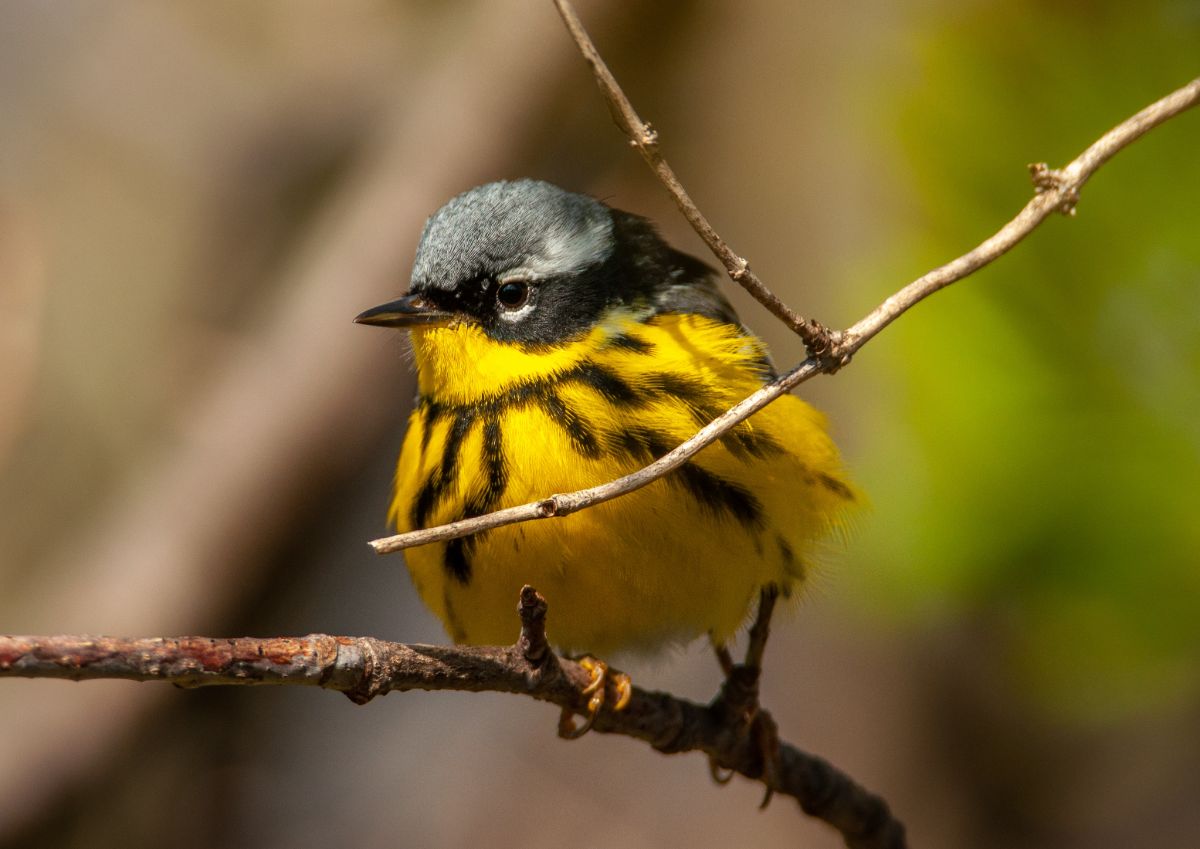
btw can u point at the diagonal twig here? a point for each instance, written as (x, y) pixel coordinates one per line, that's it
(645, 139)
(1057, 190)
(566, 503)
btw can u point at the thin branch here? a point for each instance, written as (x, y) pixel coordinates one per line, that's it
(1057, 190)
(364, 667)
(645, 139)
(571, 502)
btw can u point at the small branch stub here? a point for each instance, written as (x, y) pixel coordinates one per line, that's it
(532, 641)
(1047, 179)
(647, 140)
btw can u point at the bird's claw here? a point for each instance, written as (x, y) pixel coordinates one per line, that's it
(719, 774)
(596, 691)
(766, 739)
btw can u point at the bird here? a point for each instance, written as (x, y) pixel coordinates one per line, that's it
(560, 343)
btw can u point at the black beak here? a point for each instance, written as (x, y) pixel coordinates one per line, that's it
(409, 311)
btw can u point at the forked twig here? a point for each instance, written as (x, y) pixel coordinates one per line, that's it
(645, 140)
(1057, 190)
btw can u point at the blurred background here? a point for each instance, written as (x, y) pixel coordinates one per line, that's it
(197, 197)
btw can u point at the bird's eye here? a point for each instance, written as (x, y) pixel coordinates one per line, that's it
(513, 295)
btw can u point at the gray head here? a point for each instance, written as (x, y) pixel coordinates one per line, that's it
(534, 264)
(545, 231)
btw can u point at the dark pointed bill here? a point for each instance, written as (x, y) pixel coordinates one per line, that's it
(409, 311)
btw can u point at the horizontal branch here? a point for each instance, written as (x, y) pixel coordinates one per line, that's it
(1057, 190)
(364, 667)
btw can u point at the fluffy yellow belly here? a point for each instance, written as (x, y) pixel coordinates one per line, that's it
(683, 557)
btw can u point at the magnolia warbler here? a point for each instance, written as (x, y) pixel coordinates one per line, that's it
(560, 343)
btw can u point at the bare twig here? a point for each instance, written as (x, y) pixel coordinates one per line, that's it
(645, 140)
(364, 667)
(1056, 190)
(565, 504)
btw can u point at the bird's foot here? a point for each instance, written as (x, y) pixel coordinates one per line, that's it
(737, 703)
(596, 691)
(766, 739)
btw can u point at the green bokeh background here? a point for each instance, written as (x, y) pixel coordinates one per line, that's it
(1047, 449)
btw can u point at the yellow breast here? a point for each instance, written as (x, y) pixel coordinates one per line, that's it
(498, 425)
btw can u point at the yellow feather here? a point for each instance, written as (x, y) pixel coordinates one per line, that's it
(683, 557)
